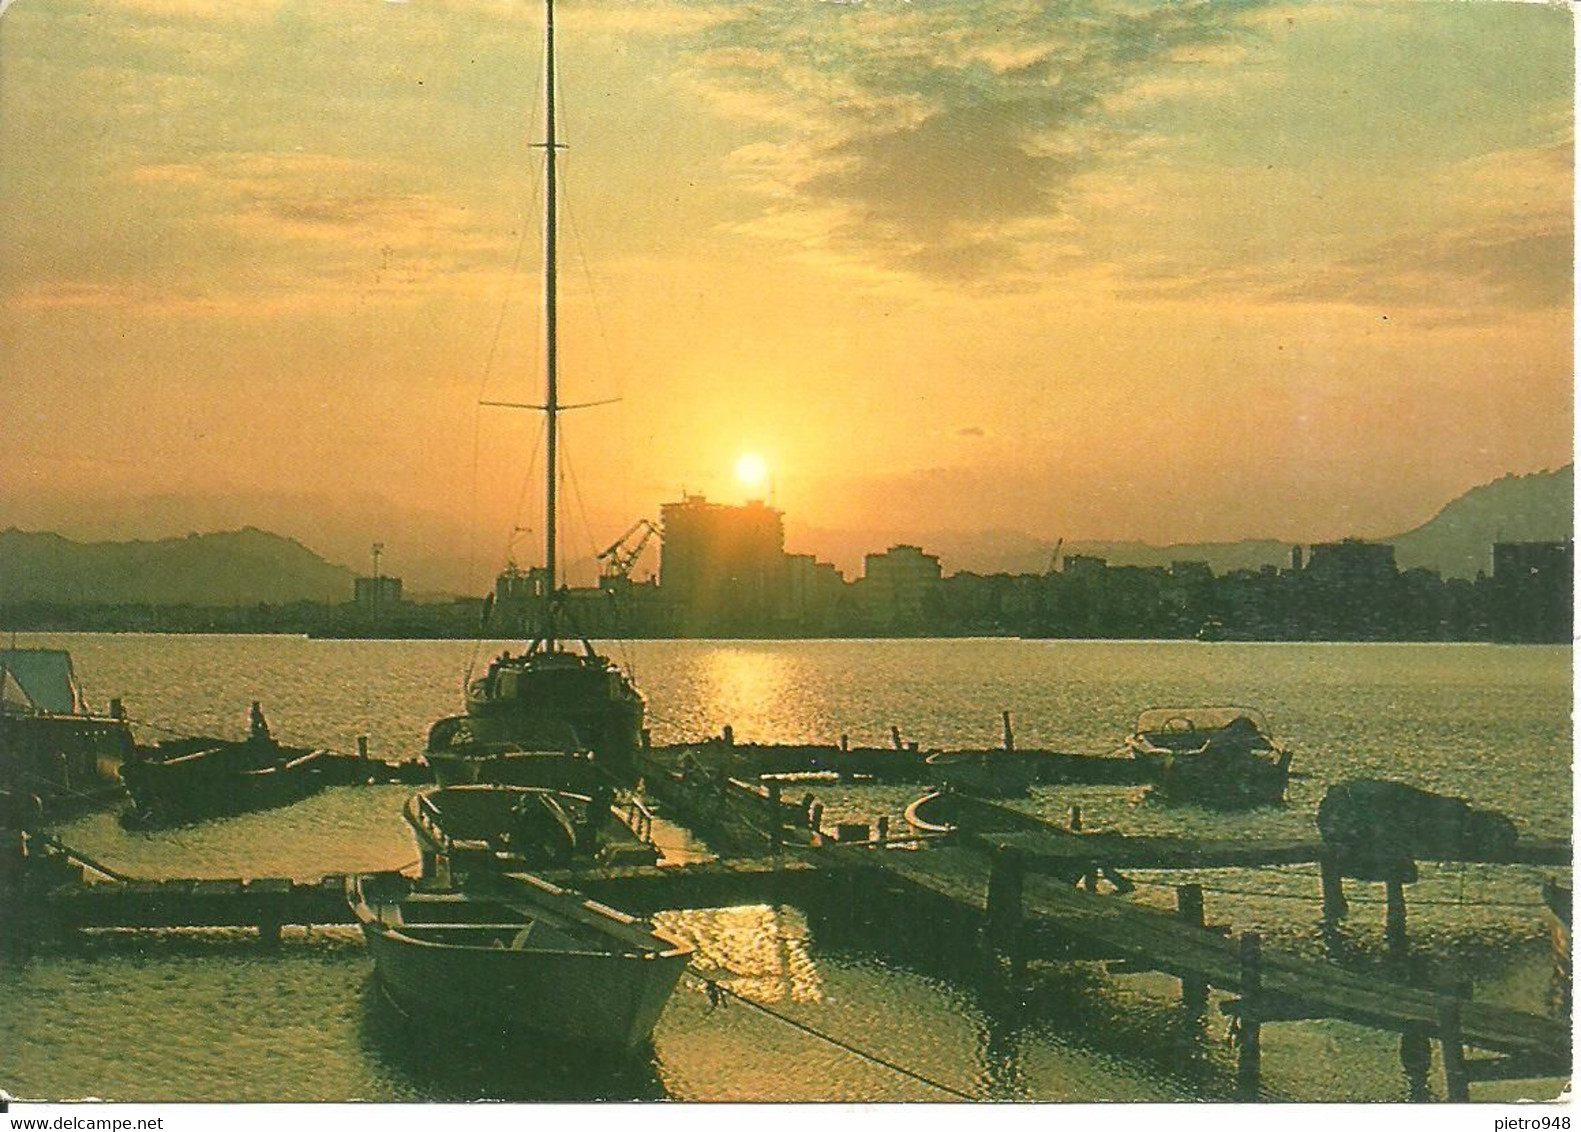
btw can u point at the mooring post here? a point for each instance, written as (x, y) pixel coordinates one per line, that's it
(1006, 876)
(362, 748)
(1334, 906)
(894, 737)
(1010, 738)
(815, 816)
(1456, 1086)
(1188, 906)
(1075, 818)
(1416, 1058)
(776, 817)
(883, 828)
(845, 742)
(1394, 915)
(1249, 1063)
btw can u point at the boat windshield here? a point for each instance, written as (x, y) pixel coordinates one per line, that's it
(1198, 719)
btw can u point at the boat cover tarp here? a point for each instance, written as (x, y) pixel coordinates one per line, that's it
(46, 678)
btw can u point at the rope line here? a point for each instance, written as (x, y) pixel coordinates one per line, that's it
(717, 995)
(1421, 900)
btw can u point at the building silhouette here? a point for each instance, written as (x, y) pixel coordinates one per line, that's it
(1533, 591)
(723, 567)
(899, 589)
(374, 595)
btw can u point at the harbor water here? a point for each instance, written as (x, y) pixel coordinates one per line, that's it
(186, 1016)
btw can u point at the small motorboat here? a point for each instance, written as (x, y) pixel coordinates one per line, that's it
(203, 777)
(463, 751)
(987, 774)
(1215, 756)
(517, 957)
(512, 828)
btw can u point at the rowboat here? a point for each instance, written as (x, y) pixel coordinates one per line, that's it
(516, 958)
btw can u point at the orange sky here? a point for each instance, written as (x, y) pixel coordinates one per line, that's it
(1081, 268)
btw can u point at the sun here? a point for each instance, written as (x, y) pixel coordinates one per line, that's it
(752, 470)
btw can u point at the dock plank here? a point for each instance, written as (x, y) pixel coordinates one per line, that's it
(1168, 944)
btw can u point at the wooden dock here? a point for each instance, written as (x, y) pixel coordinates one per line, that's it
(266, 904)
(901, 763)
(1014, 889)
(1025, 912)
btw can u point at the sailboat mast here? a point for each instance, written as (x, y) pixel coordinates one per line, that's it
(551, 335)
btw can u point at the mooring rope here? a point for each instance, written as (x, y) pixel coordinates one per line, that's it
(717, 995)
(1271, 894)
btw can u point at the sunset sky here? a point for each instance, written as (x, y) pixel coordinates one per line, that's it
(1097, 269)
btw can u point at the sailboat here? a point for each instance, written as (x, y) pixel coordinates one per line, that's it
(531, 713)
(507, 953)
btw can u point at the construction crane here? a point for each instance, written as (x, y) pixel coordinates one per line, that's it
(620, 557)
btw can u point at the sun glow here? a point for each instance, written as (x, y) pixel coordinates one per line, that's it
(752, 470)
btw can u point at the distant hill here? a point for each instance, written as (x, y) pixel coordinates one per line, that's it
(1458, 540)
(226, 568)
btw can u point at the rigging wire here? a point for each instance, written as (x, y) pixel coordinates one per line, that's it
(717, 995)
(525, 212)
(488, 373)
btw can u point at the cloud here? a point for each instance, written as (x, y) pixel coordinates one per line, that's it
(1000, 146)
(1494, 236)
(287, 232)
(924, 136)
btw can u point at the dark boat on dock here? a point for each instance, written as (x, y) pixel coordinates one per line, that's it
(519, 957)
(494, 828)
(53, 747)
(203, 777)
(1213, 756)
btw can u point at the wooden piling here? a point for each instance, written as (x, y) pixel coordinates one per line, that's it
(269, 932)
(1006, 881)
(1010, 738)
(362, 748)
(1456, 1084)
(883, 828)
(1394, 915)
(1416, 1058)
(1189, 907)
(1334, 906)
(1075, 818)
(776, 817)
(1249, 1060)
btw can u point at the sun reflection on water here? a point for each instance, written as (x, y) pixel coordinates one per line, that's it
(759, 951)
(750, 688)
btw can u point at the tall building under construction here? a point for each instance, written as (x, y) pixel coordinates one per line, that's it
(723, 566)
